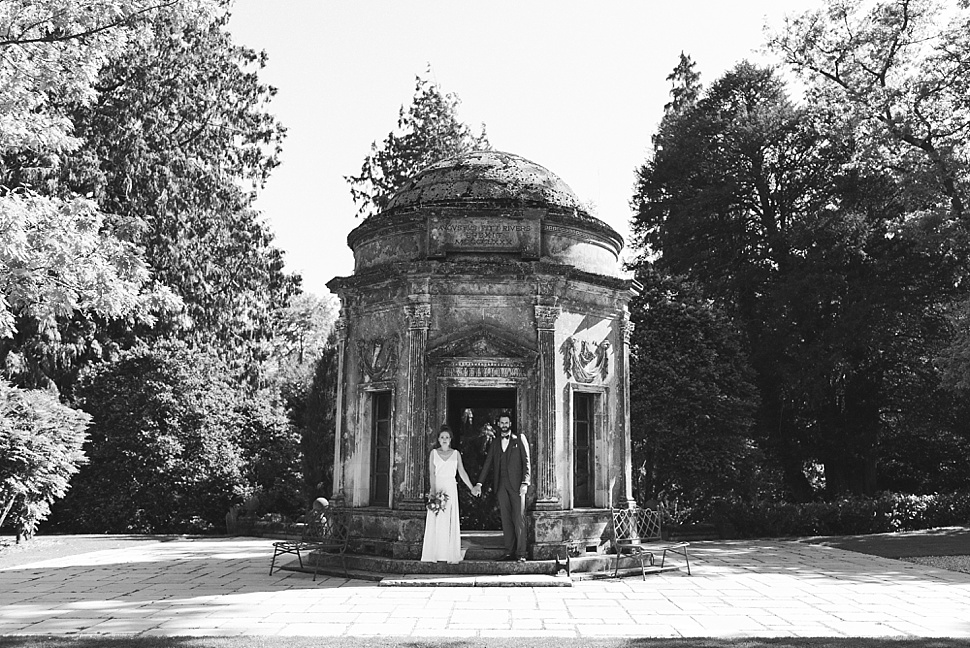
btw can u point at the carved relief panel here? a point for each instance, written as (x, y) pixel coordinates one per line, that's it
(378, 357)
(585, 361)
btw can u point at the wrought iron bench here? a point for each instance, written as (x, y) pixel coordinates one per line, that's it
(324, 530)
(636, 532)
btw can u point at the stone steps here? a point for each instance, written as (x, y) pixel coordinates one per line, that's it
(480, 567)
(479, 573)
(474, 573)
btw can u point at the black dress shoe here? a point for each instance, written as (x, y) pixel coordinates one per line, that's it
(507, 558)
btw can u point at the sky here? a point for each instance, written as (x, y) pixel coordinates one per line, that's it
(577, 87)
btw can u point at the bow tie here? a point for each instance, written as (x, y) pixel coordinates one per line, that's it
(506, 436)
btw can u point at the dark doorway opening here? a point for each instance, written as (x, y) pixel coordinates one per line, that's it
(470, 412)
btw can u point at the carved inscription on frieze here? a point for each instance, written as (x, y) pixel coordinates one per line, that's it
(460, 233)
(468, 368)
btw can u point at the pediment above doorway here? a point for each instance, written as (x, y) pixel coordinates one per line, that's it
(480, 341)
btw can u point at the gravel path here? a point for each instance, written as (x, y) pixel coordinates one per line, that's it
(953, 563)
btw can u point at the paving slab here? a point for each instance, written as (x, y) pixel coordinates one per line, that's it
(221, 587)
(451, 580)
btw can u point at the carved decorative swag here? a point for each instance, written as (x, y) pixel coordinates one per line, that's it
(378, 358)
(585, 361)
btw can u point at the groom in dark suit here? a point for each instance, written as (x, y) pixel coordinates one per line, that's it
(509, 456)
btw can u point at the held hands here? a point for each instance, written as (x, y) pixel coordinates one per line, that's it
(476, 490)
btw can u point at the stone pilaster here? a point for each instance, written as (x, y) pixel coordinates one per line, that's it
(623, 495)
(413, 460)
(544, 446)
(340, 434)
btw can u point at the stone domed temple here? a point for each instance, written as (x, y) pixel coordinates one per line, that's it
(483, 288)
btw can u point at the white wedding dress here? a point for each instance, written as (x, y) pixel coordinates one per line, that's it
(442, 531)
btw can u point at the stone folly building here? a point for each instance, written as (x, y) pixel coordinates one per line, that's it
(483, 288)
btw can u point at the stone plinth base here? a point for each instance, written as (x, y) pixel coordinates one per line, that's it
(580, 531)
(400, 534)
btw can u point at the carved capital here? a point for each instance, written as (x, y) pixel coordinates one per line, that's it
(546, 317)
(626, 328)
(340, 328)
(418, 315)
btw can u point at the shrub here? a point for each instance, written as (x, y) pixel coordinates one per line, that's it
(271, 457)
(849, 516)
(164, 450)
(40, 449)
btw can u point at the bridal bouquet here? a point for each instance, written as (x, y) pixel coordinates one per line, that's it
(435, 502)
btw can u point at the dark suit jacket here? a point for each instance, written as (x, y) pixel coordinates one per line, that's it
(518, 469)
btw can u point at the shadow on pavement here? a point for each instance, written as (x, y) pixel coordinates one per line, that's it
(947, 541)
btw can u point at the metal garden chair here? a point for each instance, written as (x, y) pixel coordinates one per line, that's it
(325, 530)
(636, 533)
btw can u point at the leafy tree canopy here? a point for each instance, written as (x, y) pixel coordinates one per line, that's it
(428, 131)
(302, 329)
(171, 146)
(173, 442)
(692, 393)
(55, 254)
(53, 50)
(839, 290)
(902, 67)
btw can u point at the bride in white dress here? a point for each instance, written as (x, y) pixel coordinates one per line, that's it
(442, 533)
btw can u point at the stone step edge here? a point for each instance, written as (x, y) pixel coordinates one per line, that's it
(513, 580)
(500, 580)
(477, 580)
(625, 572)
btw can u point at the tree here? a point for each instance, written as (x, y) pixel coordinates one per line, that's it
(838, 293)
(902, 67)
(57, 257)
(173, 145)
(900, 71)
(429, 131)
(685, 84)
(312, 408)
(271, 456)
(301, 333)
(40, 449)
(180, 138)
(693, 396)
(57, 252)
(164, 445)
(55, 49)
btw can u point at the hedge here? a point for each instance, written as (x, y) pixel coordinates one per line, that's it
(883, 513)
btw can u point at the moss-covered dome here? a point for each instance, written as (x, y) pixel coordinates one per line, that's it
(485, 176)
(486, 207)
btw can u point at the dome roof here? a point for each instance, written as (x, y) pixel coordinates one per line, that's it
(485, 176)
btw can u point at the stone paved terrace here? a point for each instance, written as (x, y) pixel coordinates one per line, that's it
(220, 587)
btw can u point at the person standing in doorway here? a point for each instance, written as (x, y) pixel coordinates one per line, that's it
(508, 456)
(442, 529)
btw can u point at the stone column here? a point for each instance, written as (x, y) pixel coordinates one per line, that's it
(544, 445)
(340, 433)
(623, 495)
(412, 453)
